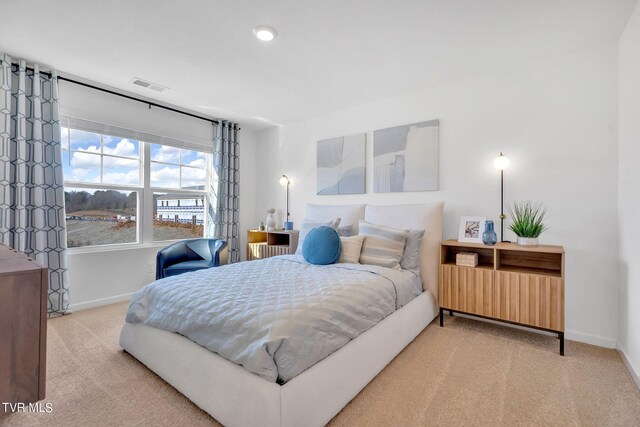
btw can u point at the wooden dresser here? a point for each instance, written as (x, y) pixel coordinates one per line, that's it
(23, 327)
(514, 284)
(265, 244)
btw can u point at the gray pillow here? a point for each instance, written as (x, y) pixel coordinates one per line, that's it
(345, 231)
(411, 255)
(382, 245)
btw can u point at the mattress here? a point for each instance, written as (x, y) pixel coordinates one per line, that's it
(278, 316)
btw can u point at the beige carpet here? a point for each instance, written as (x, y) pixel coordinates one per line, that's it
(467, 373)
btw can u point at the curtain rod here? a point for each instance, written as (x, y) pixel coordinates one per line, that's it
(133, 98)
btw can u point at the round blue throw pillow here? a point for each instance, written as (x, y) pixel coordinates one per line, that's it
(321, 246)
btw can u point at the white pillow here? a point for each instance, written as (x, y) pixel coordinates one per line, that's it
(350, 214)
(382, 245)
(308, 224)
(411, 255)
(351, 247)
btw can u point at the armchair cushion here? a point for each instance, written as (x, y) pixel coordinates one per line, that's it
(190, 255)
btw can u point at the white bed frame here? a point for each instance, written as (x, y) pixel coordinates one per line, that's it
(236, 397)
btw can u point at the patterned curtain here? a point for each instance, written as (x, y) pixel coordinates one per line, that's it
(31, 186)
(225, 188)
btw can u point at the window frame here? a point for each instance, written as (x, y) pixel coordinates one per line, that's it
(145, 203)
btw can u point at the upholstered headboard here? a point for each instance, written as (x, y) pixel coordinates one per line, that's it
(416, 217)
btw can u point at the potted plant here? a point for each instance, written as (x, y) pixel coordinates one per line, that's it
(527, 222)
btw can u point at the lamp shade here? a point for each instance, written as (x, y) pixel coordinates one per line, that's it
(284, 180)
(501, 162)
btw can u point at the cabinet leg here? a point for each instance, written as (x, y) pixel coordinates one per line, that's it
(561, 338)
(441, 317)
(451, 313)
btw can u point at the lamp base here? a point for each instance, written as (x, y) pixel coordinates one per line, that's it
(288, 225)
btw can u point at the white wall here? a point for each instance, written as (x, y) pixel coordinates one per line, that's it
(628, 191)
(556, 119)
(107, 276)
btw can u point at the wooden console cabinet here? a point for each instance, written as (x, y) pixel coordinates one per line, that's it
(511, 283)
(265, 244)
(23, 327)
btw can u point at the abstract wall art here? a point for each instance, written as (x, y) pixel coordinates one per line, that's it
(341, 165)
(405, 158)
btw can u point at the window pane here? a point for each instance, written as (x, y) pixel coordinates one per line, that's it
(81, 166)
(100, 217)
(164, 153)
(120, 171)
(193, 179)
(85, 141)
(64, 137)
(194, 158)
(121, 147)
(177, 216)
(165, 176)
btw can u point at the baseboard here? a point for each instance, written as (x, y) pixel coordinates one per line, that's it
(590, 339)
(570, 335)
(100, 302)
(632, 371)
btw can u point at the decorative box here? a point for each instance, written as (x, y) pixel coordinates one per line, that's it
(467, 259)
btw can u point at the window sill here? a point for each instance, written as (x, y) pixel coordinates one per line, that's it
(120, 247)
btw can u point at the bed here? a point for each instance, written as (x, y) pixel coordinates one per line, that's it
(235, 396)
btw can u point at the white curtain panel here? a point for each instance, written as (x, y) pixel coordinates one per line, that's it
(31, 183)
(224, 216)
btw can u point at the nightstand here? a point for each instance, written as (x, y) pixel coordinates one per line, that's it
(265, 244)
(514, 284)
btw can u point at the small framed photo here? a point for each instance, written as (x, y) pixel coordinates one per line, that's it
(471, 229)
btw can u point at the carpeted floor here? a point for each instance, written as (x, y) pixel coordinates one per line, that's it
(467, 373)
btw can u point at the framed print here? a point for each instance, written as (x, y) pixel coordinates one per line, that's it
(471, 229)
(341, 165)
(405, 158)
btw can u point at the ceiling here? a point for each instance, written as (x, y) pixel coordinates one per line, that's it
(329, 54)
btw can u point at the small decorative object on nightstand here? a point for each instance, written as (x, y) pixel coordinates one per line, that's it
(489, 236)
(510, 283)
(527, 222)
(265, 244)
(271, 221)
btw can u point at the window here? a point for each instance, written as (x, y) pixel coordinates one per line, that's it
(106, 187)
(100, 217)
(178, 168)
(178, 216)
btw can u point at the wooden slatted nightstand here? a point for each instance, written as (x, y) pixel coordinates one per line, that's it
(265, 244)
(513, 284)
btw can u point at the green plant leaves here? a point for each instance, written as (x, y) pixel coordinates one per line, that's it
(527, 219)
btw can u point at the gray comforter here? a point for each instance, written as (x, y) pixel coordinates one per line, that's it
(277, 316)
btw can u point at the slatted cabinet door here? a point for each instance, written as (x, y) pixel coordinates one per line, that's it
(530, 299)
(467, 289)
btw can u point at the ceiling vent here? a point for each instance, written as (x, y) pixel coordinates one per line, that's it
(148, 85)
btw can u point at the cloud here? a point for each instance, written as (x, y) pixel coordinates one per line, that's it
(85, 159)
(190, 174)
(124, 148)
(115, 162)
(127, 178)
(165, 154)
(198, 163)
(83, 175)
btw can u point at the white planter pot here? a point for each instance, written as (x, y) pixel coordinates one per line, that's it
(527, 241)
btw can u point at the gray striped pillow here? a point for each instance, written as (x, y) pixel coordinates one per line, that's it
(382, 245)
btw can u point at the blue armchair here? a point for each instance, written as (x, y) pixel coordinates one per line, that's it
(190, 255)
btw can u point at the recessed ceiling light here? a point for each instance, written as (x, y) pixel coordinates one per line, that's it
(264, 33)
